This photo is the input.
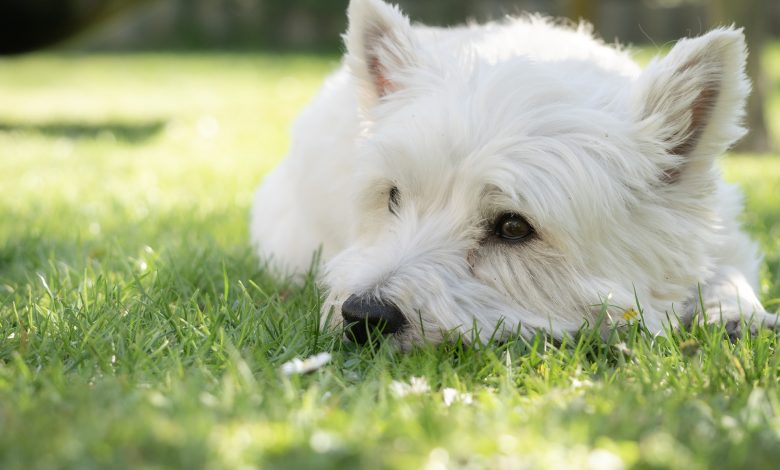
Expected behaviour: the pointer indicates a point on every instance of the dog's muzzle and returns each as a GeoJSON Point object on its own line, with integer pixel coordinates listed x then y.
{"type": "Point", "coordinates": [364, 315]}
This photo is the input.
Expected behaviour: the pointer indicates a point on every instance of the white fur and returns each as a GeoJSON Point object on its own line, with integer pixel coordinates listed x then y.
{"type": "Point", "coordinates": [526, 117]}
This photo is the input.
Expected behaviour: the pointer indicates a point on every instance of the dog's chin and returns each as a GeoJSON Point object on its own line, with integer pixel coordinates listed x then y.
{"type": "Point", "coordinates": [401, 341]}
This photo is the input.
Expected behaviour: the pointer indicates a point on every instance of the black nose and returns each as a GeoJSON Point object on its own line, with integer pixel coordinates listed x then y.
{"type": "Point", "coordinates": [362, 315]}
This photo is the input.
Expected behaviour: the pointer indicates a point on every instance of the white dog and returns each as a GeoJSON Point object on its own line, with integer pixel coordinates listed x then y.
{"type": "Point", "coordinates": [512, 177]}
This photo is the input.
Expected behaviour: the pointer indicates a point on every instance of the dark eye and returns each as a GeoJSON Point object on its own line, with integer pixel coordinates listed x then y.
{"type": "Point", "coordinates": [393, 200]}
{"type": "Point", "coordinates": [513, 227]}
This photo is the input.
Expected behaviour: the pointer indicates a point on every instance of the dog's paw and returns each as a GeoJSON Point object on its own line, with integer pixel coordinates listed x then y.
{"type": "Point", "coordinates": [740, 327]}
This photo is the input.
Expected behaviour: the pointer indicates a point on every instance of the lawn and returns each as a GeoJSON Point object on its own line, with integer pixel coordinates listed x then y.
{"type": "Point", "coordinates": [137, 330]}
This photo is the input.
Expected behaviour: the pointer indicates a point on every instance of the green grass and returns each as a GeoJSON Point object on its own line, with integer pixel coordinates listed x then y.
{"type": "Point", "coordinates": [137, 331]}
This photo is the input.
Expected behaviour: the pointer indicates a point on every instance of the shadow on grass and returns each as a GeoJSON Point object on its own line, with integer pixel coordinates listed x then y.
{"type": "Point", "coordinates": [191, 253]}
{"type": "Point", "coordinates": [131, 132]}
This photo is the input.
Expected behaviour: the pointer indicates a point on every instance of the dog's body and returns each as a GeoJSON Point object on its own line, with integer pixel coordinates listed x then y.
{"type": "Point", "coordinates": [514, 177]}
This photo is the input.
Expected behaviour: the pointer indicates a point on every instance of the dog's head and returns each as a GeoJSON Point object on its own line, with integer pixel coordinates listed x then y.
{"type": "Point", "coordinates": [501, 191]}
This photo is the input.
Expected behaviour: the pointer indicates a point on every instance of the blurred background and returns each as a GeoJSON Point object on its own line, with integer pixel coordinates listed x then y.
{"type": "Point", "coordinates": [316, 25]}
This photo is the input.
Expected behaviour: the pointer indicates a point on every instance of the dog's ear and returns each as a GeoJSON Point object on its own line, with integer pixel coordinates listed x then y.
{"type": "Point", "coordinates": [380, 46]}
{"type": "Point", "coordinates": [691, 102]}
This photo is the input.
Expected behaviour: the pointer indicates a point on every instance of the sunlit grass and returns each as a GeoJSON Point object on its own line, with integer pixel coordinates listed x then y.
{"type": "Point", "coordinates": [136, 329]}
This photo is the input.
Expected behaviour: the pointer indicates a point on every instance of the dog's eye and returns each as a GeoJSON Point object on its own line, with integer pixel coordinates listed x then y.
{"type": "Point", "coordinates": [393, 200]}
{"type": "Point", "coordinates": [513, 227]}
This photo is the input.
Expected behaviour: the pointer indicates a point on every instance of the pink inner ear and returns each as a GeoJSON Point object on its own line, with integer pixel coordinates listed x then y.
{"type": "Point", "coordinates": [381, 83]}
{"type": "Point", "coordinates": [701, 110]}
{"type": "Point", "coordinates": [700, 113]}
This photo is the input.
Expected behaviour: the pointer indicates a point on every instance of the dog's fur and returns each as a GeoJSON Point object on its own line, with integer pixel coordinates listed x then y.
{"type": "Point", "coordinates": [613, 166]}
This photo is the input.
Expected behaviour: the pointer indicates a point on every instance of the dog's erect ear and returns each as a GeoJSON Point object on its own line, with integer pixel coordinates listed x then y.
{"type": "Point", "coordinates": [692, 101]}
{"type": "Point", "coordinates": [379, 44]}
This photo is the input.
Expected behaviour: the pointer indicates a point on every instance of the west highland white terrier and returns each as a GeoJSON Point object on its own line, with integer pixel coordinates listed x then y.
{"type": "Point", "coordinates": [514, 177]}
